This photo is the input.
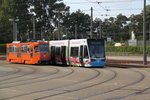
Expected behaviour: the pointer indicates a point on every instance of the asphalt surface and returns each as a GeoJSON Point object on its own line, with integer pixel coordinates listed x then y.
{"type": "Point", "coordinates": [131, 58]}
{"type": "Point", "coordinates": [45, 82]}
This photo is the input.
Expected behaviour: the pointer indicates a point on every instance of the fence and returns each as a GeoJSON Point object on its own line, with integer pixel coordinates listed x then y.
{"type": "Point", "coordinates": [126, 51]}
{"type": "Point", "coordinates": [138, 43]}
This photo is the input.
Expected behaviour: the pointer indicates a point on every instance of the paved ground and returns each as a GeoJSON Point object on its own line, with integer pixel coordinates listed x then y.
{"type": "Point", "coordinates": [131, 58]}
{"type": "Point", "coordinates": [34, 82]}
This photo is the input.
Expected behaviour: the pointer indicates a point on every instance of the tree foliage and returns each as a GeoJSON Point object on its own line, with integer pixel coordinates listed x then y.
{"type": "Point", "coordinates": [81, 20]}
{"type": "Point", "coordinates": [53, 20]}
{"type": "Point", "coordinates": [5, 26]}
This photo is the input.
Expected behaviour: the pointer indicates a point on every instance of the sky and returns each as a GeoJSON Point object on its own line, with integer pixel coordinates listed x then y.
{"type": "Point", "coordinates": [107, 8]}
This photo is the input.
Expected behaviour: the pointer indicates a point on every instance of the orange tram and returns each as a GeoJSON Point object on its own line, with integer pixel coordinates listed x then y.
{"type": "Point", "coordinates": [28, 53]}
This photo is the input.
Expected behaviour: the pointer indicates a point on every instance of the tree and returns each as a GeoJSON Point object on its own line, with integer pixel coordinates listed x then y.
{"type": "Point", "coordinates": [121, 22]}
{"type": "Point", "coordinates": [5, 26]}
{"type": "Point", "coordinates": [21, 12]}
{"type": "Point", "coordinates": [48, 13]}
{"type": "Point", "coordinates": [24, 10]}
{"type": "Point", "coordinates": [117, 28]}
{"type": "Point", "coordinates": [97, 27]}
{"type": "Point", "coordinates": [148, 20]}
{"type": "Point", "coordinates": [80, 19]}
{"type": "Point", "coordinates": [148, 13]}
{"type": "Point", "coordinates": [136, 25]}
{"type": "Point", "coordinates": [12, 9]}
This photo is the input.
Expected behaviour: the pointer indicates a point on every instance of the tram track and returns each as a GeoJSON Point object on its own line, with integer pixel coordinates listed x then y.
{"type": "Point", "coordinates": [111, 78]}
{"type": "Point", "coordinates": [41, 80]}
{"type": "Point", "coordinates": [53, 83]}
{"type": "Point", "coordinates": [21, 73]}
{"type": "Point", "coordinates": [66, 85]}
{"type": "Point", "coordinates": [69, 91]}
{"type": "Point", "coordinates": [16, 70]}
{"type": "Point", "coordinates": [136, 93]}
{"type": "Point", "coordinates": [118, 88]}
{"type": "Point", "coordinates": [140, 92]}
{"type": "Point", "coordinates": [31, 79]}
{"type": "Point", "coordinates": [89, 86]}
{"type": "Point", "coordinates": [57, 77]}
{"type": "Point", "coordinates": [126, 64]}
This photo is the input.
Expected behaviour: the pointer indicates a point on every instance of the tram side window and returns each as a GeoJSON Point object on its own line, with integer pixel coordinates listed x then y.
{"type": "Point", "coordinates": [22, 48]}
{"type": "Point", "coordinates": [15, 48]}
{"type": "Point", "coordinates": [85, 52]}
{"type": "Point", "coordinates": [74, 51]}
{"type": "Point", "coordinates": [25, 48]}
{"type": "Point", "coordinates": [57, 51]}
{"type": "Point", "coordinates": [12, 48]}
{"type": "Point", "coordinates": [28, 49]}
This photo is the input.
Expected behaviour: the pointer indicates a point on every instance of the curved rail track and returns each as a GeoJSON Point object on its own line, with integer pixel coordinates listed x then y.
{"type": "Point", "coordinates": [32, 82]}
{"type": "Point", "coordinates": [34, 77]}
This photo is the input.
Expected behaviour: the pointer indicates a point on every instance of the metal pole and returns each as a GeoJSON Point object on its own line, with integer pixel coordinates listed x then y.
{"type": "Point", "coordinates": [149, 31]}
{"type": "Point", "coordinates": [144, 35]}
{"type": "Point", "coordinates": [60, 32]}
{"type": "Point", "coordinates": [59, 25]}
{"type": "Point", "coordinates": [76, 31]}
{"type": "Point", "coordinates": [91, 28]}
{"type": "Point", "coordinates": [100, 30]}
{"type": "Point", "coordinates": [66, 33]}
{"type": "Point", "coordinates": [15, 30]}
{"type": "Point", "coordinates": [34, 29]}
{"type": "Point", "coordinates": [42, 37]}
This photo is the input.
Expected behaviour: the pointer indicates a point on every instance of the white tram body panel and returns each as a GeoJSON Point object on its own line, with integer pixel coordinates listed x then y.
{"type": "Point", "coordinates": [78, 52]}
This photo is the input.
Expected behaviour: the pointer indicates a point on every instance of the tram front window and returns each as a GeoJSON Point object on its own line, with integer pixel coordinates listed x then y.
{"type": "Point", "coordinates": [96, 48]}
{"type": "Point", "coordinates": [36, 49]}
{"type": "Point", "coordinates": [44, 48]}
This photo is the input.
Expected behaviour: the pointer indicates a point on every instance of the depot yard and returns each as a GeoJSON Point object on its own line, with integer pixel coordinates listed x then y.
{"type": "Point", "coordinates": [47, 82]}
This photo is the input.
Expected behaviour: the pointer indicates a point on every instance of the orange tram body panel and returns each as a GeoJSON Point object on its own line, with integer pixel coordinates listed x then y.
{"type": "Point", "coordinates": [28, 53]}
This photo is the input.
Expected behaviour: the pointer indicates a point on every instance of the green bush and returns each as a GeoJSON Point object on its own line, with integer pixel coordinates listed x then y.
{"type": "Point", "coordinates": [2, 48]}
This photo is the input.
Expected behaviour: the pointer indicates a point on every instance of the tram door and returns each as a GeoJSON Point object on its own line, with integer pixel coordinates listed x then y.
{"type": "Point", "coordinates": [83, 54]}
{"type": "Point", "coordinates": [63, 55]}
{"type": "Point", "coordinates": [53, 59]}
{"type": "Point", "coordinates": [18, 52]}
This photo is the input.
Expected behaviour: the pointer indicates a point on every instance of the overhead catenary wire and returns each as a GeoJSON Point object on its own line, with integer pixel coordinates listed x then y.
{"type": "Point", "coordinates": [112, 9]}
{"type": "Point", "coordinates": [99, 3]}
{"type": "Point", "coordinates": [113, 1]}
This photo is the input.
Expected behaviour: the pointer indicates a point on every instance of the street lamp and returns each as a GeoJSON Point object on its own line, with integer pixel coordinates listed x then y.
{"type": "Point", "coordinates": [14, 28]}
{"type": "Point", "coordinates": [59, 21]}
